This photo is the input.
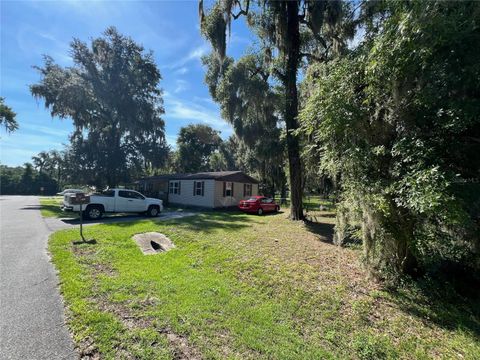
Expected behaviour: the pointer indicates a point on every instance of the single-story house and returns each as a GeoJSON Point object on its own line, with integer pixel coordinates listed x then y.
{"type": "Point", "coordinates": [206, 189]}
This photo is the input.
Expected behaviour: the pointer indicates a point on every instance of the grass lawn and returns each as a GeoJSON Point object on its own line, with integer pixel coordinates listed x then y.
{"type": "Point", "coordinates": [50, 207]}
{"type": "Point", "coordinates": [247, 287]}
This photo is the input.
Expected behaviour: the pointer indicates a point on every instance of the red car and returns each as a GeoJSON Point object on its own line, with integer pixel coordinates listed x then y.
{"type": "Point", "coordinates": [259, 205]}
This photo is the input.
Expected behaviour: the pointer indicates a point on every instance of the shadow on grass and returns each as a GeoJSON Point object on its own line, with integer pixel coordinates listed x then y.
{"type": "Point", "coordinates": [323, 230]}
{"type": "Point", "coordinates": [54, 211]}
{"type": "Point", "coordinates": [439, 303]}
{"type": "Point", "coordinates": [204, 222]}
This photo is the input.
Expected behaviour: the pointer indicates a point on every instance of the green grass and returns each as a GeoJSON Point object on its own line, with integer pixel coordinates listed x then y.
{"type": "Point", "coordinates": [50, 207]}
{"type": "Point", "coordinates": [247, 287]}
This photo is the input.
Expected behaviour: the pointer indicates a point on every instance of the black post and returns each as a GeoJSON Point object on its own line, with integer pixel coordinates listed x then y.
{"type": "Point", "coordinates": [81, 223]}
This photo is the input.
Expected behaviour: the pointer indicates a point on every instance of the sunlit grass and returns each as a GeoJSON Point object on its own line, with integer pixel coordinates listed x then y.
{"type": "Point", "coordinates": [244, 286]}
{"type": "Point", "coordinates": [50, 207]}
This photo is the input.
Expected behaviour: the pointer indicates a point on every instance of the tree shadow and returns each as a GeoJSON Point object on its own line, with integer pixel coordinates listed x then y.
{"type": "Point", "coordinates": [104, 220]}
{"type": "Point", "coordinates": [204, 222]}
{"type": "Point", "coordinates": [35, 207]}
{"type": "Point", "coordinates": [53, 209]}
{"type": "Point", "coordinates": [324, 231]}
{"type": "Point", "coordinates": [434, 302]}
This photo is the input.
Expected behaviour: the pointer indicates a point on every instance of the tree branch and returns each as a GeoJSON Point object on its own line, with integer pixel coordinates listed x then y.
{"type": "Point", "coordinates": [280, 75]}
{"type": "Point", "coordinates": [241, 12]}
{"type": "Point", "coordinates": [313, 57]}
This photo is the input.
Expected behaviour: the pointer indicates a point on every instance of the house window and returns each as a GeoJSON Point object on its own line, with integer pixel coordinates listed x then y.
{"type": "Point", "coordinates": [227, 189]}
{"type": "Point", "coordinates": [247, 189]}
{"type": "Point", "coordinates": [198, 188]}
{"type": "Point", "coordinates": [175, 187]}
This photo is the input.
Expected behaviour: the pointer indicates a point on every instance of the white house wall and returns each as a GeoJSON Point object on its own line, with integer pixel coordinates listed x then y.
{"type": "Point", "coordinates": [186, 194]}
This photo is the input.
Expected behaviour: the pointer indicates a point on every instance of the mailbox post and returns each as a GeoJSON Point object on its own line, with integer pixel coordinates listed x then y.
{"type": "Point", "coordinates": [80, 199]}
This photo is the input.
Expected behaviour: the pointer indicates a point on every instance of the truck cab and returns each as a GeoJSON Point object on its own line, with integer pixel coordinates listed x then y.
{"type": "Point", "coordinates": [115, 201]}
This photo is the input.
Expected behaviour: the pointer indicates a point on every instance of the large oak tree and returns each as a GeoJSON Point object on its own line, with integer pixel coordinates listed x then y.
{"type": "Point", "coordinates": [111, 93]}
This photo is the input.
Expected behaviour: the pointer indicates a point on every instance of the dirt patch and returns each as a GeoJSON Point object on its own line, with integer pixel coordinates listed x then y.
{"type": "Point", "coordinates": [151, 243]}
{"type": "Point", "coordinates": [182, 350]}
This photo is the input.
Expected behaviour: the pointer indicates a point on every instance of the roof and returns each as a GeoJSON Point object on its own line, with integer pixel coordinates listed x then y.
{"type": "Point", "coordinates": [234, 176]}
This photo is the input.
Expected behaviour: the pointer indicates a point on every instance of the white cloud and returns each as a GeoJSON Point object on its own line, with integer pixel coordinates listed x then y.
{"type": "Point", "coordinates": [234, 38]}
{"type": "Point", "coordinates": [181, 85]}
{"type": "Point", "coordinates": [194, 55]}
{"type": "Point", "coordinates": [193, 113]}
{"type": "Point", "coordinates": [40, 129]}
{"type": "Point", "coordinates": [181, 71]}
{"type": "Point", "coordinates": [33, 42]}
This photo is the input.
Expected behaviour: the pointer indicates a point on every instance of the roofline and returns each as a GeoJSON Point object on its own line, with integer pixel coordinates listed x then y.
{"type": "Point", "coordinates": [218, 176]}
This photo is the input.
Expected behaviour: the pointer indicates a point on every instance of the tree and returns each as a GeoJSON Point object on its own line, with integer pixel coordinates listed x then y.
{"type": "Point", "coordinates": [400, 130]}
{"type": "Point", "coordinates": [40, 160]}
{"type": "Point", "coordinates": [195, 144]}
{"type": "Point", "coordinates": [10, 179]}
{"type": "Point", "coordinates": [7, 117]}
{"type": "Point", "coordinates": [289, 31]}
{"type": "Point", "coordinates": [26, 185]}
{"type": "Point", "coordinates": [111, 94]}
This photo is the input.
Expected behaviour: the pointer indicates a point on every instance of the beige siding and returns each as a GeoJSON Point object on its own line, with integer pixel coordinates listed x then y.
{"type": "Point", "coordinates": [221, 201]}
{"type": "Point", "coordinates": [186, 196]}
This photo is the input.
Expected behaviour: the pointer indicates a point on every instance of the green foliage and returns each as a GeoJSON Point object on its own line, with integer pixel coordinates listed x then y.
{"type": "Point", "coordinates": [195, 145]}
{"type": "Point", "coordinates": [111, 94]}
{"type": "Point", "coordinates": [25, 181]}
{"type": "Point", "coordinates": [250, 104]}
{"type": "Point", "coordinates": [397, 122]}
{"type": "Point", "coordinates": [7, 117]}
{"type": "Point", "coordinates": [260, 89]}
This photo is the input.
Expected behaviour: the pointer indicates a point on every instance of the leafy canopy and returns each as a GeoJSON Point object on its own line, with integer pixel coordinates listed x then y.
{"type": "Point", "coordinates": [7, 117]}
{"type": "Point", "coordinates": [397, 122]}
{"type": "Point", "coordinates": [111, 94]}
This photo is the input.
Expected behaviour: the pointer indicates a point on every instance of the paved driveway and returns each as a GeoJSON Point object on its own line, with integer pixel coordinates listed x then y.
{"type": "Point", "coordinates": [32, 324]}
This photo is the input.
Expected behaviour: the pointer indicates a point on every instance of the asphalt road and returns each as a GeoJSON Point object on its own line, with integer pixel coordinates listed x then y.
{"type": "Point", "coordinates": [32, 324]}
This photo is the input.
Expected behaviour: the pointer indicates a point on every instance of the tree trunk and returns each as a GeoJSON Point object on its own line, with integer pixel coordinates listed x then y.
{"type": "Point", "coordinates": [292, 48]}
{"type": "Point", "coordinates": [112, 162]}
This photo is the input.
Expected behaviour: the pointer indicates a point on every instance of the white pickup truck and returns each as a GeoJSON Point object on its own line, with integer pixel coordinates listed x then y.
{"type": "Point", "coordinates": [115, 201]}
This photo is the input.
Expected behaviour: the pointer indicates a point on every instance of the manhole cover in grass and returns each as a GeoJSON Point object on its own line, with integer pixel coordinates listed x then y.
{"type": "Point", "coordinates": [153, 242]}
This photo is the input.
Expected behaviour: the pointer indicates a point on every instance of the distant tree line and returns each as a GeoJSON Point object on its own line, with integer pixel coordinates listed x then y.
{"type": "Point", "coordinates": [25, 180]}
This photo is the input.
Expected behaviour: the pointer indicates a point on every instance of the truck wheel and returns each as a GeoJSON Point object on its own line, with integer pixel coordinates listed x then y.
{"type": "Point", "coordinates": [153, 211]}
{"type": "Point", "coordinates": [94, 212]}
{"type": "Point", "coordinates": [260, 211]}
{"type": "Point", "coordinates": [277, 208]}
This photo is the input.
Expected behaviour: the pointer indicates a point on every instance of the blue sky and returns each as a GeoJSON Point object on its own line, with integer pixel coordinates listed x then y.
{"type": "Point", "coordinates": [169, 28]}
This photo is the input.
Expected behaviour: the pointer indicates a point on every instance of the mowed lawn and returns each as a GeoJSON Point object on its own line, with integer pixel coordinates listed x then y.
{"type": "Point", "coordinates": [50, 207]}
{"type": "Point", "coordinates": [248, 287]}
